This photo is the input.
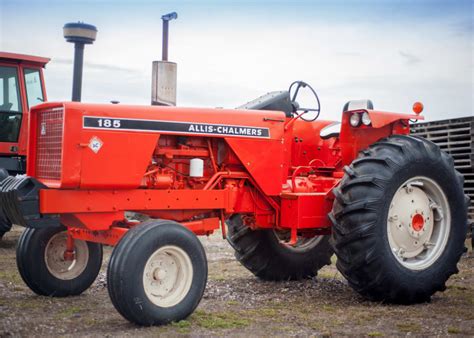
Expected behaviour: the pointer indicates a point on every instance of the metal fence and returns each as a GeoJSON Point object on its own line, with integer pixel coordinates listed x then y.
{"type": "Point", "coordinates": [456, 137]}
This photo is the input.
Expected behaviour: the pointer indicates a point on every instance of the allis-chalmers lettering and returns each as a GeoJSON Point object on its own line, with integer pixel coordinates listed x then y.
{"type": "Point", "coordinates": [174, 127]}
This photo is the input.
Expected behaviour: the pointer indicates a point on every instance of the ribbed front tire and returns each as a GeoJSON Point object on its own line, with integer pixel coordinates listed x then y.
{"type": "Point", "coordinates": [42, 266]}
{"type": "Point", "coordinates": [157, 273]}
{"type": "Point", "coordinates": [400, 218]}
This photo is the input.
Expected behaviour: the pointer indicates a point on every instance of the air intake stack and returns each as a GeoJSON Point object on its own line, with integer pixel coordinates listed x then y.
{"type": "Point", "coordinates": [80, 34]}
{"type": "Point", "coordinates": [164, 73]}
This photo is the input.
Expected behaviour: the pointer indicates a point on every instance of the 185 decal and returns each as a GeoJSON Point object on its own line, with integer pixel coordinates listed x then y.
{"type": "Point", "coordinates": [93, 122]}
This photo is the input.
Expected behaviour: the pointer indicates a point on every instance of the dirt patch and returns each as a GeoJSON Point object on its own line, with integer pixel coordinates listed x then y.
{"type": "Point", "coordinates": [236, 303]}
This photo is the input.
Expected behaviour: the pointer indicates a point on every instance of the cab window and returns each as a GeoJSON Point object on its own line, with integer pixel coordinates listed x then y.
{"type": "Point", "coordinates": [10, 104]}
{"type": "Point", "coordinates": [9, 90]}
{"type": "Point", "coordinates": [34, 90]}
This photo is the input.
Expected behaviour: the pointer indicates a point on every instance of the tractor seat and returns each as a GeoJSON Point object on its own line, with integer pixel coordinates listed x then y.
{"type": "Point", "coordinates": [272, 101]}
{"type": "Point", "coordinates": [331, 130]}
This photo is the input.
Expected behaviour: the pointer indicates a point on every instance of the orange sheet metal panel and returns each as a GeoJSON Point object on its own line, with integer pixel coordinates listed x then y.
{"type": "Point", "coordinates": [110, 145]}
{"type": "Point", "coordinates": [53, 201]}
{"type": "Point", "coordinates": [305, 211]}
{"type": "Point", "coordinates": [354, 139]}
{"type": "Point", "coordinates": [264, 160]}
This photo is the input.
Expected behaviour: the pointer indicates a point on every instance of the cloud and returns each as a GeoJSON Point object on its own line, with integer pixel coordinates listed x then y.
{"type": "Point", "coordinates": [408, 58]}
{"type": "Point", "coordinates": [96, 66]}
{"type": "Point", "coordinates": [463, 27]}
{"type": "Point", "coordinates": [394, 57]}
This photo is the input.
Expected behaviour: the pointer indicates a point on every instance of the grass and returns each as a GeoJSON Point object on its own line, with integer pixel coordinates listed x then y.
{"type": "Point", "coordinates": [11, 277]}
{"type": "Point", "coordinates": [69, 311]}
{"type": "Point", "coordinates": [463, 293]}
{"type": "Point", "coordinates": [183, 326]}
{"type": "Point", "coordinates": [408, 327]}
{"type": "Point", "coordinates": [329, 308]}
{"type": "Point", "coordinates": [454, 330]}
{"type": "Point", "coordinates": [220, 320]}
{"type": "Point", "coordinates": [264, 312]}
{"type": "Point", "coordinates": [375, 334]}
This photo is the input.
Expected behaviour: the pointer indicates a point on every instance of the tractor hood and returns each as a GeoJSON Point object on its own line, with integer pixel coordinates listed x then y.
{"type": "Point", "coordinates": [173, 120]}
{"type": "Point", "coordinates": [84, 145]}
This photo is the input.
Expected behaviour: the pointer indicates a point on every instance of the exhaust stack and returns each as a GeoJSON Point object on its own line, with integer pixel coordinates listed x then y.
{"type": "Point", "coordinates": [164, 73]}
{"type": "Point", "coordinates": [80, 34]}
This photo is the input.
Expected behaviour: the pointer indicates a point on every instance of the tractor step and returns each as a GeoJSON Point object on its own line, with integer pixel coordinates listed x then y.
{"type": "Point", "coordinates": [305, 210]}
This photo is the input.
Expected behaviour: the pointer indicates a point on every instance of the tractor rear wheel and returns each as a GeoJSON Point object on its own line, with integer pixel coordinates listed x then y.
{"type": "Point", "coordinates": [40, 258]}
{"type": "Point", "coordinates": [262, 252]}
{"type": "Point", "coordinates": [157, 273]}
{"type": "Point", "coordinates": [399, 220]}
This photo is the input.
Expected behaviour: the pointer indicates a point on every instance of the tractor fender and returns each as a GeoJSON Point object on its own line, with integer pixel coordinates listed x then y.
{"type": "Point", "coordinates": [382, 118]}
{"type": "Point", "coordinates": [383, 124]}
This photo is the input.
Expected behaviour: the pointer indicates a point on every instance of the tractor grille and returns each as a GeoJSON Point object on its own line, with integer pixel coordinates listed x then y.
{"type": "Point", "coordinates": [456, 137]}
{"type": "Point", "coordinates": [49, 144]}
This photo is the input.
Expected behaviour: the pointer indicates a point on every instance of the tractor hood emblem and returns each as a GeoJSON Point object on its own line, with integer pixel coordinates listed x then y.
{"type": "Point", "coordinates": [95, 144]}
{"type": "Point", "coordinates": [43, 128]}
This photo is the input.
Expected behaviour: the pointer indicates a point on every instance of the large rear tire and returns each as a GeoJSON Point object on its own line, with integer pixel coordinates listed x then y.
{"type": "Point", "coordinates": [400, 220]}
{"type": "Point", "coordinates": [41, 263]}
{"type": "Point", "coordinates": [157, 273]}
{"type": "Point", "coordinates": [262, 252]}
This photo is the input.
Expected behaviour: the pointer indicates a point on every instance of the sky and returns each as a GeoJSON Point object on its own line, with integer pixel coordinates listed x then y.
{"type": "Point", "coordinates": [229, 52]}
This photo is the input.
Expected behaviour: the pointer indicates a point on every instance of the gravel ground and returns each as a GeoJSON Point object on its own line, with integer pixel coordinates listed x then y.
{"type": "Point", "coordinates": [236, 303]}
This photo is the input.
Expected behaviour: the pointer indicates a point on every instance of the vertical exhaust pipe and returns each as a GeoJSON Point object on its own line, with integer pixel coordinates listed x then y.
{"type": "Point", "coordinates": [164, 47]}
{"type": "Point", "coordinates": [80, 34]}
{"type": "Point", "coordinates": [164, 73]}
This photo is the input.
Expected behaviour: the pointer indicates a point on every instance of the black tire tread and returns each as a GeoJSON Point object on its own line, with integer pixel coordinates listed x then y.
{"type": "Point", "coordinates": [355, 243]}
{"type": "Point", "coordinates": [118, 271]}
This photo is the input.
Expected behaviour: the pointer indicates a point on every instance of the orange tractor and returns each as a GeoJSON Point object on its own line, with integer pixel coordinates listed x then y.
{"type": "Point", "coordinates": [287, 191]}
{"type": "Point", "coordinates": [21, 87]}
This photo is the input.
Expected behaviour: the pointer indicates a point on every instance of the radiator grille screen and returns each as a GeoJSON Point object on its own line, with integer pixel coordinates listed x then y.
{"type": "Point", "coordinates": [49, 144]}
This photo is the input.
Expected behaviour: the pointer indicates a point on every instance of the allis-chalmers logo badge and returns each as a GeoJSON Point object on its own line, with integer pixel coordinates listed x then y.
{"type": "Point", "coordinates": [95, 144]}
{"type": "Point", "coordinates": [43, 128]}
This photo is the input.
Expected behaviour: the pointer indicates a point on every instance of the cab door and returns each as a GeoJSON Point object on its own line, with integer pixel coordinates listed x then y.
{"type": "Point", "coordinates": [11, 108]}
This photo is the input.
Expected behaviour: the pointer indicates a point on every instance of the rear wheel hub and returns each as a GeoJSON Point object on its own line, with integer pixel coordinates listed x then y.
{"type": "Point", "coordinates": [418, 223]}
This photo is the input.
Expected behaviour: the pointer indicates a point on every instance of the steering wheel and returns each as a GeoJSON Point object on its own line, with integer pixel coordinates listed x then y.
{"type": "Point", "coordinates": [297, 108]}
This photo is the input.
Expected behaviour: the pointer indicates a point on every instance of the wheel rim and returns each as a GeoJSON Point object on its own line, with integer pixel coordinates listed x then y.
{"type": "Point", "coordinates": [56, 263]}
{"type": "Point", "coordinates": [167, 276]}
{"type": "Point", "coordinates": [418, 224]}
{"type": "Point", "coordinates": [303, 244]}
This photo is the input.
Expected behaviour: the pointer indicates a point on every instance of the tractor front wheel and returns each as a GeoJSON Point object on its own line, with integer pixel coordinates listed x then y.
{"type": "Point", "coordinates": [157, 273]}
{"type": "Point", "coordinates": [264, 254]}
{"type": "Point", "coordinates": [399, 220]}
{"type": "Point", "coordinates": [45, 268]}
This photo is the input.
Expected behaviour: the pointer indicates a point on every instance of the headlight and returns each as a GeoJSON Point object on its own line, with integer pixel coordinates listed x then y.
{"type": "Point", "coordinates": [355, 120]}
{"type": "Point", "coordinates": [366, 119]}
